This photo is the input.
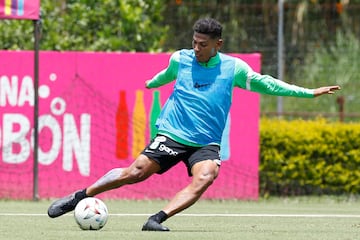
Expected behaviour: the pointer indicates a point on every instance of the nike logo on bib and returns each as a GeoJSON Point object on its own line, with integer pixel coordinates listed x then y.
{"type": "Point", "coordinates": [197, 85]}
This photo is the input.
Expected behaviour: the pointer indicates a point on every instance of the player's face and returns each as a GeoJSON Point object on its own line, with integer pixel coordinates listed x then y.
{"type": "Point", "coordinates": [205, 47]}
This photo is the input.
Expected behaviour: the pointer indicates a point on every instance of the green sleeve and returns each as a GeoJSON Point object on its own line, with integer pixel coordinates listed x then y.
{"type": "Point", "coordinates": [246, 78]}
{"type": "Point", "coordinates": [167, 75]}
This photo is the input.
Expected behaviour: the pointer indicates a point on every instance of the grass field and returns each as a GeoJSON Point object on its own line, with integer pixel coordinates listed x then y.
{"type": "Point", "coordinates": [291, 219]}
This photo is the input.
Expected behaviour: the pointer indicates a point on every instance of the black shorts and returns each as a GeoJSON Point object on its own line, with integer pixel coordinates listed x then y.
{"type": "Point", "coordinates": [167, 153]}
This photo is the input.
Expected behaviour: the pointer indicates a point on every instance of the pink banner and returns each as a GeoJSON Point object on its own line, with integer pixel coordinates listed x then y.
{"type": "Point", "coordinates": [95, 114]}
{"type": "Point", "coordinates": [20, 9]}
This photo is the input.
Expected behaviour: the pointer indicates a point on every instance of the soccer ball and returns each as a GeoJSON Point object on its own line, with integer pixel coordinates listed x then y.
{"type": "Point", "coordinates": [91, 214]}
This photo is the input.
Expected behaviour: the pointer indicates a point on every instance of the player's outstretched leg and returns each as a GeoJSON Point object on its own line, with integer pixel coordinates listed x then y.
{"type": "Point", "coordinates": [66, 204]}
{"type": "Point", "coordinates": [154, 223]}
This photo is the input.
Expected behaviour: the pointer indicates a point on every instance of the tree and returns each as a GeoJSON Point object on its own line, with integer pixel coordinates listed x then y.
{"type": "Point", "coordinates": [122, 25]}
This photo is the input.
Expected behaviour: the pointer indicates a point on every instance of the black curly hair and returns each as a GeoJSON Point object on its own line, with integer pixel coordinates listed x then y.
{"type": "Point", "coordinates": [208, 26]}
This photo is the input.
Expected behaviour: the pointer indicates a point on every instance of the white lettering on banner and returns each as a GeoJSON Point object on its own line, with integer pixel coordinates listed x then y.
{"type": "Point", "coordinates": [72, 143]}
{"type": "Point", "coordinates": [48, 121]}
{"type": "Point", "coordinates": [15, 140]}
{"type": "Point", "coordinates": [14, 134]}
{"type": "Point", "coordinates": [8, 91]}
{"type": "Point", "coordinates": [26, 93]}
{"type": "Point", "coordinates": [16, 147]}
{"type": "Point", "coordinates": [9, 88]}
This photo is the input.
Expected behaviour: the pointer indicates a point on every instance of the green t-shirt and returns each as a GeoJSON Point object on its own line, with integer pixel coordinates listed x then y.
{"type": "Point", "coordinates": [244, 77]}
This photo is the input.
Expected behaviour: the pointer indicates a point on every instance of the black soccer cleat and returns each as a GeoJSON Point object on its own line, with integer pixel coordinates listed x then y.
{"type": "Point", "coordinates": [63, 205]}
{"type": "Point", "coordinates": [152, 225]}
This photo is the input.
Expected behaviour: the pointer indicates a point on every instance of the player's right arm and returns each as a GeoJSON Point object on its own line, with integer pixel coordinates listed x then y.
{"type": "Point", "coordinates": [167, 75]}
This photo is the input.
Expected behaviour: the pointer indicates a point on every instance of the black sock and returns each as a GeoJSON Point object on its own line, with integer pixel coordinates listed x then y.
{"type": "Point", "coordinates": [159, 217]}
{"type": "Point", "coordinates": [81, 194]}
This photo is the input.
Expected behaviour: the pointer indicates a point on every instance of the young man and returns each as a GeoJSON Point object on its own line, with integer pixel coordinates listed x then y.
{"type": "Point", "coordinates": [191, 123]}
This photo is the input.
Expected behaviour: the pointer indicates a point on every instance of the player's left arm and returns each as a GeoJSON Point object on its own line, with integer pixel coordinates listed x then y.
{"type": "Point", "coordinates": [246, 78]}
{"type": "Point", "coordinates": [269, 85]}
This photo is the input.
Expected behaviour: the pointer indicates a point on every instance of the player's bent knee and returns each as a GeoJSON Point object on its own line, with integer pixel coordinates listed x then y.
{"type": "Point", "coordinates": [140, 169]}
{"type": "Point", "coordinates": [208, 179]}
{"type": "Point", "coordinates": [203, 181]}
{"type": "Point", "coordinates": [136, 175]}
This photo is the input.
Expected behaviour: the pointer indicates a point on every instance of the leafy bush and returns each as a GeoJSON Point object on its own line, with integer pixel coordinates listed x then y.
{"type": "Point", "coordinates": [122, 25]}
{"type": "Point", "coordinates": [309, 157]}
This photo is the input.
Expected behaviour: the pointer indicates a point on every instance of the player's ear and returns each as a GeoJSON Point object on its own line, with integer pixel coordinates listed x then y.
{"type": "Point", "coordinates": [219, 44]}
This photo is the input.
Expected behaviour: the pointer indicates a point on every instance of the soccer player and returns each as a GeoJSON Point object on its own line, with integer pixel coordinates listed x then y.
{"type": "Point", "coordinates": [191, 122]}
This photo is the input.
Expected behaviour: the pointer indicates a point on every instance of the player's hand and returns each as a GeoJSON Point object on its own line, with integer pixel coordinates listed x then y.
{"type": "Point", "coordinates": [326, 90]}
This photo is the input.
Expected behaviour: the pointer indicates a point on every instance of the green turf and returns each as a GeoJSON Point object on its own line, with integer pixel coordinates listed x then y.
{"type": "Point", "coordinates": [336, 218]}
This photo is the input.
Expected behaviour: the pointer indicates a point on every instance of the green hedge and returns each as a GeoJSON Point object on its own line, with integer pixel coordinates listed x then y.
{"type": "Point", "coordinates": [309, 157]}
